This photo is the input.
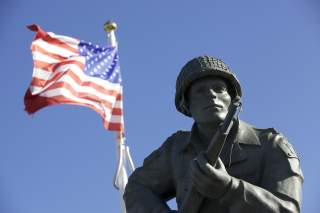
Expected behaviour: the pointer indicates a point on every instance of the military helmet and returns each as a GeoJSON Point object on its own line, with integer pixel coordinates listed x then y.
{"type": "Point", "coordinates": [201, 67]}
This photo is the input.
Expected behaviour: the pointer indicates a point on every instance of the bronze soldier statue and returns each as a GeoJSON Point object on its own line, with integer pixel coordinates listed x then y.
{"type": "Point", "coordinates": [257, 171]}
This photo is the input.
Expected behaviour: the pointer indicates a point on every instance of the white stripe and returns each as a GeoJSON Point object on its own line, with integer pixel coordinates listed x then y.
{"type": "Point", "coordinates": [66, 93]}
{"type": "Point", "coordinates": [42, 74]}
{"type": "Point", "coordinates": [53, 48]}
{"type": "Point", "coordinates": [118, 104]}
{"type": "Point", "coordinates": [35, 90]}
{"type": "Point", "coordinates": [86, 89]}
{"type": "Point", "coordinates": [116, 119]}
{"type": "Point", "coordinates": [79, 88]}
{"type": "Point", "coordinates": [38, 73]}
{"type": "Point", "coordinates": [46, 75]}
{"type": "Point", "coordinates": [82, 89]}
{"type": "Point", "coordinates": [38, 56]}
{"type": "Point", "coordinates": [72, 42]}
{"type": "Point", "coordinates": [106, 84]}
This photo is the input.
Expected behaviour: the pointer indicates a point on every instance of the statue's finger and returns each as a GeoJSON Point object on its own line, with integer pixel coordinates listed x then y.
{"type": "Point", "coordinates": [220, 165]}
{"type": "Point", "coordinates": [204, 164]}
{"type": "Point", "coordinates": [198, 176]}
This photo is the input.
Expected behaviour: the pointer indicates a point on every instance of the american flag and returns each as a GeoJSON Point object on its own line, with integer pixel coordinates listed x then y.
{"type": "Point", "coordinates": [69, 71]}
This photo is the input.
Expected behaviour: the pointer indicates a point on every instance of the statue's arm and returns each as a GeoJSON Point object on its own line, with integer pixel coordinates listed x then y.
{"type": "Point", "coordinates": [150, 186]}
{"type": "Point", "coordinates": [280, 186]}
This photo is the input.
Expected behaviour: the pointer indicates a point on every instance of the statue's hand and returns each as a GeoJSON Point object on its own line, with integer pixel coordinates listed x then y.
{"type": "Point", "coordinates": [210, 181]}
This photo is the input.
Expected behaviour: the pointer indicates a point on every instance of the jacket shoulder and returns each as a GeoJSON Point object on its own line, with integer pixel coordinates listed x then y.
{"type": "Point", "coordinates": [276, 140]}
{"type": "Point", "coordinates": [177, 140]}
{"type": "Point", "coordinates": [172, 143]}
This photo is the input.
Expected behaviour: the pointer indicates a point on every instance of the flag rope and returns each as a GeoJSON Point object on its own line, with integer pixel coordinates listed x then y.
{"type": "Point", "coordinates": [124, 161]}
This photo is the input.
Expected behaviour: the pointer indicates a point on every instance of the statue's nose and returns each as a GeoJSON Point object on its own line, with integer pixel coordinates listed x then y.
{"type": "Point", "coordinates": [212, 93]}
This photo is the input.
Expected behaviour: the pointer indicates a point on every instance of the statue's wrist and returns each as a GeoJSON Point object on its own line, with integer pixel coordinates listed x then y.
{"type": "Point", "coordinates": [226, 189]}
{"type": "Point", "coordinates": [230, 192]}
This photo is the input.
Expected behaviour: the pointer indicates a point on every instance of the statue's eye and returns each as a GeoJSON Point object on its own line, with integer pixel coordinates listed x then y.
{"type": "Point", "coordinates": [220, 89]}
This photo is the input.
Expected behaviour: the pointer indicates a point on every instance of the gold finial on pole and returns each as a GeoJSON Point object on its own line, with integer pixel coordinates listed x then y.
{"type": "Point", "coordinates": [109, 27]}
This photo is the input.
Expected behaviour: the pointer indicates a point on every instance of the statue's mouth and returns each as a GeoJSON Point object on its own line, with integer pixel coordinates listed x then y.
{"type": "Point", "coordinates": [214, 106]}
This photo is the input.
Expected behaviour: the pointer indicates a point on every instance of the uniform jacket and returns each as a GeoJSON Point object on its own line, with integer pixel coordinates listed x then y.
{"type": "Point", "coordinates": [265, 170]}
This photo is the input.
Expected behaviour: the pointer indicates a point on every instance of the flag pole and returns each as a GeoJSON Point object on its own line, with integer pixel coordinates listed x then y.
{"type": "Point", "coordinates": [110, 28]}
{"type": "Point", "coordinates": [124, 158]}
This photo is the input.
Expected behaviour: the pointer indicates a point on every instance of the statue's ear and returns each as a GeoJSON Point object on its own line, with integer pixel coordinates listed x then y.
{"type": "Point", "coordinates": [184, 104]}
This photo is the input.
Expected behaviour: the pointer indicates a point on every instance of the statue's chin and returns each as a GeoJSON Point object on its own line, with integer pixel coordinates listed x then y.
{"type": "Point", "coordinates": [213, 120]}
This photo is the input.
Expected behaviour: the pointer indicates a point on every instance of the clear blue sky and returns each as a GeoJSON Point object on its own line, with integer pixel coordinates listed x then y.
{"type": "Point", "coordinates": [62, 160]}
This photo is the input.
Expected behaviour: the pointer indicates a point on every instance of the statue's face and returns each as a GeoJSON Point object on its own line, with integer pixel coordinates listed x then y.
{"type": "Point", "coordinates": [208, 100]}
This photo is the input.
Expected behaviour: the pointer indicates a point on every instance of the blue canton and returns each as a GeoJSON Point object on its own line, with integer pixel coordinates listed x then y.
{"type": "Point", "coordinates": [101, 62]}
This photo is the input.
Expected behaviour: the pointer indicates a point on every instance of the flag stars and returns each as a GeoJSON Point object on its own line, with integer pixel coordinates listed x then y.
{"type": "Point", "coordinates": [101, 62]}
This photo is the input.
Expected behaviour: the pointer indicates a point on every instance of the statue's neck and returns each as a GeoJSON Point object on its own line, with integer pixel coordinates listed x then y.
{"type": "Point", "coordinates": [206, 131]}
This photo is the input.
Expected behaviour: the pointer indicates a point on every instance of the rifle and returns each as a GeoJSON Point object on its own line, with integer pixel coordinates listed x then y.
{"type": "Point", "coordinates": [194, 199]}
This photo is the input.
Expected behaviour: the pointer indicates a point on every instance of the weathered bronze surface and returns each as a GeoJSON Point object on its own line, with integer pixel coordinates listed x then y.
{"type": "Point", "coordinates": [258, 170]}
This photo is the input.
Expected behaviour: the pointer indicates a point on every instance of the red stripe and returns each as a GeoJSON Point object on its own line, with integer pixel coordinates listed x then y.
{"type": "Point", "coordinates": [52, 67]}
{"type": "Point", "coordinates": [37, 48]}
{"type": "Point", "coordinates": [33, 103]}
{"type": "Point", "coordinates": [114, 126]}
{"type": "Point", "coordinates": [41, 34]}
{"type": "Point", "coordinates": [44, 65]}
{"type": "Point", "coordinates": [82, 95]}
{"type": "Point", "coordinates": [41, 83]}
{"type": "Point", "coordinates": [59, 43]}
{"type": "Point", "coordinates": [116, 111]}
{"type": "Point", "coordinates": [119, 97]}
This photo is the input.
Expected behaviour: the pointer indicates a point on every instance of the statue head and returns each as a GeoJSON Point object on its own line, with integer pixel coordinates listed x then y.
{"type": "Point", "coordinates": [200, 68]}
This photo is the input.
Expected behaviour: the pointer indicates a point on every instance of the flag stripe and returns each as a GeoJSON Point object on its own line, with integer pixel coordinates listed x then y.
{"type": "Point", "coordinates": [39, 102]}
{"type": "Point", "coordinates": [82, 93]}
{"type": "Point", "coordinates": [71, 92]}
{"type": "Point", "coordinates": [39, 56]}
{"type": "Point", "coordinates": [52, 54]}
{"type": "Point", "coordinates": [52, 48]}
{"type": "Point", "coordinates": [60, 43]}
{"type": "Point", "coordinates": [53, 67]}
{"type": "Point", "coordinates": [73, 42]}
{"type": "Point", "coordinates": [79, 78]}
{"type": "Point", "coordinates": [58, 99]}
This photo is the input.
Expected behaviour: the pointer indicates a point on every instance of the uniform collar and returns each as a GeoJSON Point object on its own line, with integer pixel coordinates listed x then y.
{"type": "Point", "coordinates": [245, 135]}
